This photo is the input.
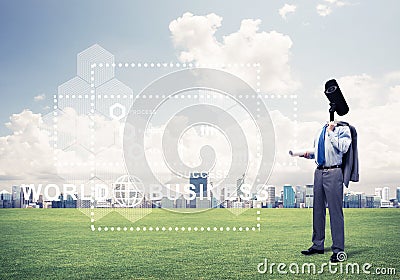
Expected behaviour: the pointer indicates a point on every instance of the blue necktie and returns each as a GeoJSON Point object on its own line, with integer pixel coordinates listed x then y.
{"type": "Point", "coordinates": [321, 148]}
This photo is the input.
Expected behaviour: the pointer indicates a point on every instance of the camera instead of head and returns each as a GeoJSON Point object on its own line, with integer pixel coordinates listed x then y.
{"type": "Point", "coordinates": [337, 102]}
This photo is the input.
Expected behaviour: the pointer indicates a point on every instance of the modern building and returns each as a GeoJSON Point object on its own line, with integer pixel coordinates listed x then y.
{"type": "Point", "coordinates": [83, 202]}
{"type": "Point", "coordinates": [203, 203]}
{"type": "Point", "coordinates": [372, 201]}
{"type": "Point", "coordinates": [262, 195]}
{"type": "Point", "coordinates": [398, 194]}
{"type": "Point", "coordinates": [237, 204]}
{"type": "Point", "coordinates": [40, 201]}
{"type": "Point", "coordinates": [16, 197]}
{"type": "Point", "coordinates": [239, 192]}
{"type": "Point", "coordinates": [214, 202]}
{"type": "Point", "coordinates": [309, 203]}
{"type": "Point", "coordinates": [394, 202]}
{"type": "Point", "coordinates": [354, 200]}
{"type": "Point", "coordinates": [167, 203]}
{"type": "Point", "coordinates": [386, 193]}
{"type": "Point", "coordinates": [385, 204]}
{"type": "Point", "coordinates": [68, 202]}
{"type": "Point", "coordinates": [26, 200]}
{"type": "Point", "coordinates": [369, 201]}
{"type": "Point", "coordinates": [180, 202]}
{"type": "Point", "coordinates": [199, 181]}
{"type": "Point", "coordinates": [5, 199]}
{"type": "Point", "coordinates": [288, 197]}
{"type": "Point", "coordinates": [271, 197]}
{"type": "Point", "coordinates": [300, 196]}
{"type": "Point", "coordinates": [377, 201]}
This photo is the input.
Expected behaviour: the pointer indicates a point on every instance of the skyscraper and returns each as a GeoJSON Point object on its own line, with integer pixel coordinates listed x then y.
{"type": "Point", "coordinates": [309, 196]}
{"type": "Point", "coordinates": [288, 197]}
{"type": "Point", "coordinates": [25, 201]}
{"type": "Point", "coordinates": [373, 201]}
{"type": "Point", "coordinates": [300, 196]}
{"type": "Point", "coordinates": [355, 200]}
{"type": "Point", "coordinates": [5, 199]}
{"type": "Point", "coordinates": [271, 197]}
{"type": "Point", "coordinates": [239, 183]}
{"type": "Point", "coordinates": [167, 203]}
{"type": "Point", "coordinates": [199, 181]}
{"type": "Point", "coordinates": [180, 202]}
{"type": "Point", "coordinates": [16, 197]}
{"type": "Point", "coordinates": [398, 194]}
{"type": "Point", "coordinates": [385, 193]}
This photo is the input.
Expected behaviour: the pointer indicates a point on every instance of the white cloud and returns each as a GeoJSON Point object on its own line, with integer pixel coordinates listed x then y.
{"type": "Point", "coordinates": [286, 9]}
{"type": "Point", "coordinates": [337, 3]}
{"type": "Point", "coordinates": [326, 9]}
{"type": "Point", "coordinates": [363, 90]}
{"type": "Point", "coordinates": [39, 97]}
{"type": "Point", "coordinates": [26, 152]}
{"type": "Point", "coordinates": [195, 37]}
{"type": "Point", "coordinates": [394, 94]}
{"type": "Point", "coordinates": [392, 76]}
{"type": "Point", "coordinates": [323, 10]}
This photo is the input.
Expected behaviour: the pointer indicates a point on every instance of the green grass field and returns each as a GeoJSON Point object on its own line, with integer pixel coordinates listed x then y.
{"type": "Point", "coordinates": [59, 244]}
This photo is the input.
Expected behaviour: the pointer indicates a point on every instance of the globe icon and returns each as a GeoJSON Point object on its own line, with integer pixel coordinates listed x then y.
{"type": "Point", "coordinates": [127, 191]}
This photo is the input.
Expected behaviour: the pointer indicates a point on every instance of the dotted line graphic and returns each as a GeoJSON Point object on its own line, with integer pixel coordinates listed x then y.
{"type": "Point", "coordinates": [55, 134]}
{"type": "Point", "coordinates": [99, 96]}
{"type": "Point", "coordinates": [258, 90]}
{"type": "Point", "coordinates": [92, 140]}
{"type": "Point", "coordinates": [177, 96]}
{"type": "Point", "coordinates": [171, 65]}
{"type": "Point", "coordinates": [295, 133]}
{"type": "Point", "coordinates": [182, 229]}
{"type": "Point", "coordinates": [93, 164]}
{"type": "Point", "coordinates": [176, 229]}
{"type": "Point", "coordinates": [97, 164]}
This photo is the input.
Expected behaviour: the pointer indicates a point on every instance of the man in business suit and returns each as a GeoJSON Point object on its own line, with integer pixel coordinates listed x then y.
{"type": "Point", "coordinates": [331, 143]}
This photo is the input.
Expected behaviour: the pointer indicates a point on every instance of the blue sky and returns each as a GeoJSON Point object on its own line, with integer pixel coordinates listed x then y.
{"type": "Point", "coordinates": [40, 41]}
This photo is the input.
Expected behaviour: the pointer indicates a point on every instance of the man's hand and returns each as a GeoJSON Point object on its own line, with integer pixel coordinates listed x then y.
{"type": "Point", "coordinates": [307, 155]}
{"type": "Point", "coordinates": [331, 126]}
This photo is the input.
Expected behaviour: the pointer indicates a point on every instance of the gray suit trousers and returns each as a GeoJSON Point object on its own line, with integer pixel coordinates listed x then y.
{"type": "Point", "coordinates": [328, 189]}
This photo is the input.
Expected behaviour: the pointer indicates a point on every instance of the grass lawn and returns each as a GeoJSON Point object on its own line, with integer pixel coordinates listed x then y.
{"type": "Point", "coordinates": [59, 244]}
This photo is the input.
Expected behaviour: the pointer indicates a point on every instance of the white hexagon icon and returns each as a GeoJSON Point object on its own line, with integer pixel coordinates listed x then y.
{"type": "Point", "coordinates": [103, 59]}
{"type": "Point", "coordinates": [111, 92]}
{"type": "Point", "coordinates": [117, 111]}
{"type": "Point", "coordinates": [75, 93]}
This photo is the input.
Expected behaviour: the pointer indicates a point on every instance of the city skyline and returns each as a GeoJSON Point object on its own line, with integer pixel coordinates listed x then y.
{"type": "Point", "coordinates": [290, 197]}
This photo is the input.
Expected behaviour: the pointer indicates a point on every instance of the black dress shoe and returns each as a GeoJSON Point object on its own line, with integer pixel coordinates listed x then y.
{"type": "Point", "coordinates": [334, 258]}
{"type": "Point", "coordinates": [311, 251]}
